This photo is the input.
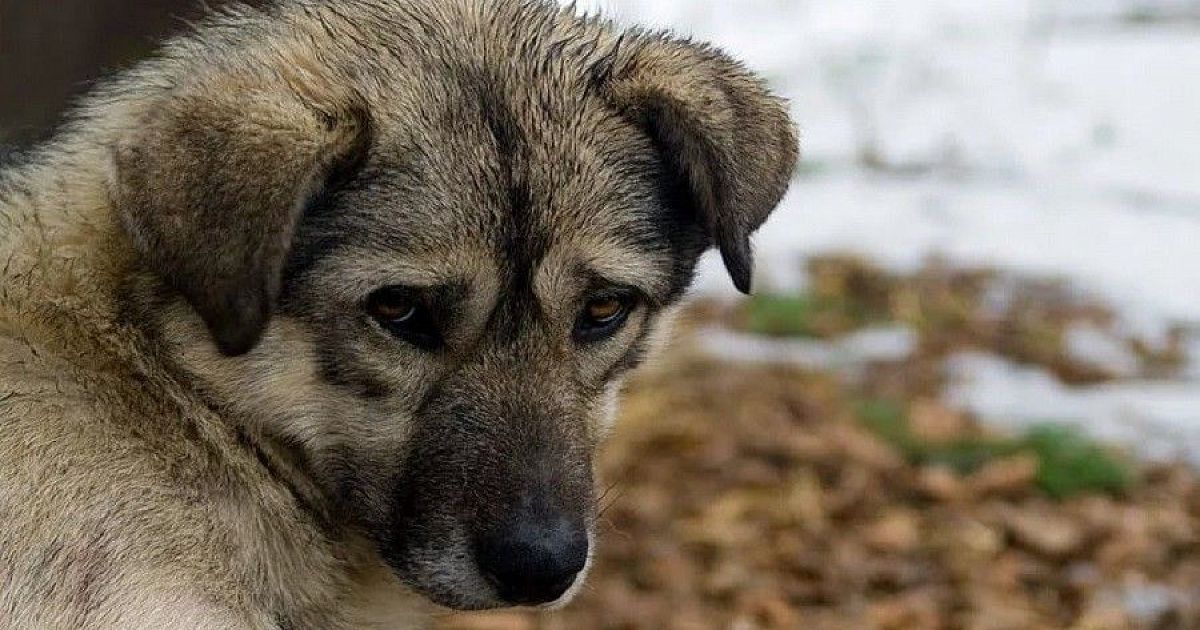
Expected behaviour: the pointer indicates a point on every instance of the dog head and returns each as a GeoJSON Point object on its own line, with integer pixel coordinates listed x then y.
{"type": "Point", "coordinates": [419, 247]}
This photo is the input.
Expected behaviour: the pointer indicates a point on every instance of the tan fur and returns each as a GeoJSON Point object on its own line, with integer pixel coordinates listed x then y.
{"type": "Point", "coordinates": [160, 422]}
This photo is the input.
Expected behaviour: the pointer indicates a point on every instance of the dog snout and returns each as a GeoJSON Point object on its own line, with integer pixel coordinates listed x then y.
{"type": "Point", "coordinates": [534, 560]}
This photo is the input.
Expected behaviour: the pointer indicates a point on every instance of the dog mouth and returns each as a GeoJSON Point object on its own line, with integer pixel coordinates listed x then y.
{"type": "Point", "coordinates": [580, 579]}
{"type": "Point", "coordinates": [460, 584]}
{"type": "Point", "coordinates": [534, 557]}
{"type": "Point", "coordinates": [532, 568]}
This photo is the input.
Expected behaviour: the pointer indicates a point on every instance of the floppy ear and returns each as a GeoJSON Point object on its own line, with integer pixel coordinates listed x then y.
{"type": "Point", "coordinates": [728, 139]}
{"type": "Point", "coordinates": [211, 188]}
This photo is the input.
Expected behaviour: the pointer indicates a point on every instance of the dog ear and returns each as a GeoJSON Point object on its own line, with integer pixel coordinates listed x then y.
{"type": "Point", "coordinates": [728, 139]}
{"type": "Point", "coordinates": [212, 184]}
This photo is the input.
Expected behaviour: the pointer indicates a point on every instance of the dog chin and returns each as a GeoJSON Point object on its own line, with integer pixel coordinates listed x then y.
{"type": "Point", "coordinates": [468, 600]}
{"type": "Point", "coordinates": [462, 599]}
{"type": "Point", "coordinates": [448, 584]}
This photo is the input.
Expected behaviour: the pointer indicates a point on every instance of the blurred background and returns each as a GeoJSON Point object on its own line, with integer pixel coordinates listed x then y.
{"type": "Point", "coordinates": [966, 395]}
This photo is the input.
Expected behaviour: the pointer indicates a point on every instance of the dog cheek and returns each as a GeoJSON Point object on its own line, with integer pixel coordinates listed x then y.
{"type": "Point", "coordinates": [605, 409]}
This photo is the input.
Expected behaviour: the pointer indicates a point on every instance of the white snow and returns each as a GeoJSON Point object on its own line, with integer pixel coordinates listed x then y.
{"type": "Point", "coordinates": [1157, 419]}
{"type": "Point", "coordinates": [1100, 348]}
{"type": "Point", "coordinates": [851, 353]}
{"type": "Point", "coordinates": [1052, 137]}
{"type": "Point", "coordinates": [1047, 137]}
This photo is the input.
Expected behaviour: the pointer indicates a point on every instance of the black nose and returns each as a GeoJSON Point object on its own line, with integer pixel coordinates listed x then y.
{"type": "Point", "coordinates": [534, 561]}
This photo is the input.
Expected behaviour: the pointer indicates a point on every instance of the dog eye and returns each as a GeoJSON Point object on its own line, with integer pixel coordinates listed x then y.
{"type": "Point", "coordinates": [603, 316]}
{"type": "Point", "coordinates": [400, 313]}
{"type": "Point", "coordinates": [393, 312]}
{"type": "Point", "coordinates": [604, 310]}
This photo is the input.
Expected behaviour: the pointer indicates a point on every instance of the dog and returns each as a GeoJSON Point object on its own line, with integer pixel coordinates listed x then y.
{"type": "Point", "coordinates": [315, 319]}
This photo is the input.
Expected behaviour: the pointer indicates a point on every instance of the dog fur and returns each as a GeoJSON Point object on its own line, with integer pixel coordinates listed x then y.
{"type": "Point", "coordinates": [200, 428]}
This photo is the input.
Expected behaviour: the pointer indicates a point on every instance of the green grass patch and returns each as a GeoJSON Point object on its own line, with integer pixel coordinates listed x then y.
{"type": "Point", "coordinates": [1069, 463]}
{"type": "Point", "coordinates": [889, 420]}
{"type": "Point", "coordinates": [802, 315]}
{"type": "Point", "coordinates": [785, 315]}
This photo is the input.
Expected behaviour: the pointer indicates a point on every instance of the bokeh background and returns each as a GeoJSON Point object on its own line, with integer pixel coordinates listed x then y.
{"type": "Point", "coordinates": [1047, 138]}
{"type": "Point", "coordinates": [966, 395]}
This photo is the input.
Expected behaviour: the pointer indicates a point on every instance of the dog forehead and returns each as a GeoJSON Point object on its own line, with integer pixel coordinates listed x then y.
{"type": "Point", "coordinates": [488, 168]}
{"type": "Point", "coordinates": [551, 222]}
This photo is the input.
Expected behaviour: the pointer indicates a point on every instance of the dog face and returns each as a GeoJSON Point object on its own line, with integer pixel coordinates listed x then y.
{"type": "Point", "coordinates": [423, 279]}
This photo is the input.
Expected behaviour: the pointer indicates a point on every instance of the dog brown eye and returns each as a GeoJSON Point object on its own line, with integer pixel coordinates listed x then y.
{"type": "Point", "coordinates": [602, 317]}
{"type": "Point", "coordinates": [393, 312]}
{"type": "Point", "coordinates": [401, 313]}
{"type": "Point", "coordinates": [605, 310]}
